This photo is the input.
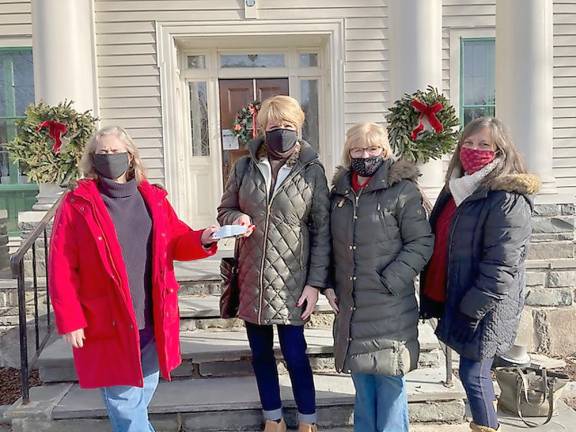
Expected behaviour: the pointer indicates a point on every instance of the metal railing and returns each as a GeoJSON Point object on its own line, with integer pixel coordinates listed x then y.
{"type": "Point", "coordinates": [18, 263]}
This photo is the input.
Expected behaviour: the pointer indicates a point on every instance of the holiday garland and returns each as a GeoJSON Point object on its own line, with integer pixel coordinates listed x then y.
{"type": "Point", "coordinates": [245, 127]}
{"type": "Point", "coordinates": [50, 142]}
{"type": "Point", "coordinates": [406, 126]}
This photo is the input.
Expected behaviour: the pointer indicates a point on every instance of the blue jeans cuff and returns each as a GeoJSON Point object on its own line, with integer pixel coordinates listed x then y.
{"type": "Point", "coordinates": [272, 415]}
{"type": "Point", "coordinates": [307, 418]}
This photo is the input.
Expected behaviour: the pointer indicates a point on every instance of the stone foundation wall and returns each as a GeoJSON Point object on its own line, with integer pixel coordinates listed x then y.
{"type": "Point", "coordinates": [548, 322]}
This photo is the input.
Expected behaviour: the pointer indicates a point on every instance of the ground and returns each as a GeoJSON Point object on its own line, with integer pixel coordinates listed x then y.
{"type": "Point", "coordinates": [10, 384]}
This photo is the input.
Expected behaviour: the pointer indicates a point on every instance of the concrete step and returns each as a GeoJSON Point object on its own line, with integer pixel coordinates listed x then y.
{"type": "Point", "coordinates": [227, 353]}
{"type": "Point", "coordinates": [232, 404]}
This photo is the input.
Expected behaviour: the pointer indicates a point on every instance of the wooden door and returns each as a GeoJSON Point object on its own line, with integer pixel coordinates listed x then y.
{"type": "Point", "coordinates": [235, 94]}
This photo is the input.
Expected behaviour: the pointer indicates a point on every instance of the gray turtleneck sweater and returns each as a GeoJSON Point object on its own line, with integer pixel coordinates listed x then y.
{"type": "Point", "coordinates": [133, 226]}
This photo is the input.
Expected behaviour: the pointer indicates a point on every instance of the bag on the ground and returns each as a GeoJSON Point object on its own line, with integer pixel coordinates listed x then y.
{"type": "Point", "coordinates": [529, 392]}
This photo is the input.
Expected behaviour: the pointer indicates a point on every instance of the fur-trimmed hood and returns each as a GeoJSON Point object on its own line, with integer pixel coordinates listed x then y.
{"type": "Point", "coordinates": [390, 173]}
{"type": "Point", "coordinates": [525, 184]}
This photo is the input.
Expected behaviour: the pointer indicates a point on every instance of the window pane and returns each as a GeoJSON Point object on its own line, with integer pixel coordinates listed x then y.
{"type": "Point", "coordinates": [309, 102]}
{"type": "Point", "coordinates": [199, 118]}
{"type": "Point", "coordinates": [252, 60]}
{"type": "Point", "coordinates": [196, 62]}
{"type": "Point", "coordinates": [470, 113]}
{"type": "Point", "coordinates": [16, 82]}
{"type": "Point", "coordinates": [478, 72]}
{"type": "Point", "coordinates": [7, 133]}
{"type": "Point", "coordinates": [308, 60]}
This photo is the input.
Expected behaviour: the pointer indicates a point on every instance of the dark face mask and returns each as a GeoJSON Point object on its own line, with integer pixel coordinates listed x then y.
{"type": "Point", "coordinates": [280, 141]}
{"type": "Point", "coordinates": [366, 167]}
{"type": "Point", "coordinates": [111, 166]}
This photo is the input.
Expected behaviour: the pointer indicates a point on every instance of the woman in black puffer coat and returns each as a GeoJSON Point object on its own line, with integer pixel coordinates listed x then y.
{"type": "Point", "coordinates": [474, 282]}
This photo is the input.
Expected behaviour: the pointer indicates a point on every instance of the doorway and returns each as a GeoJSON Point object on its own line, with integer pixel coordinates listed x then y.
{"type": "Point", "coordinates": [236, 94]}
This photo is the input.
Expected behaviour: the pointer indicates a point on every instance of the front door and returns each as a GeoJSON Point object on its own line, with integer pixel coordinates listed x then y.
{"type": "Point", "coordinates": [235, 94]}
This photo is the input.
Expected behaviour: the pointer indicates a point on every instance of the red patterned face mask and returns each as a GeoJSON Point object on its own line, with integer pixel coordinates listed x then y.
{"type": "Point", "coordinates": [475, 159]}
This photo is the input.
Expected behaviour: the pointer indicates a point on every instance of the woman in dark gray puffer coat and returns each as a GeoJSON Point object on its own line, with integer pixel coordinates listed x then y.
{"type": "Point", "coordinates": [381, 240]}
{"type": "Point", "coordinates": [475, 280]}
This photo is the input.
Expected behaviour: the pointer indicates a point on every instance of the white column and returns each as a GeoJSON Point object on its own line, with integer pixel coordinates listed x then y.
{"type": "Point", "coordinates": [63, 52]}
{"type": "Point", "coordinates": [415, 38]}
{"type": "Point", "coordinates": [524, 87]}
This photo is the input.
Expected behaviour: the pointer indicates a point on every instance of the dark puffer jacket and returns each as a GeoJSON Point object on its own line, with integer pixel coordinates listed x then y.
{"type": "Point", "coordinates": [488, 244]}
{"type": "Point", "coordinates": [381, 240]}
{"type": "Point", "coordinates": [290, 247]}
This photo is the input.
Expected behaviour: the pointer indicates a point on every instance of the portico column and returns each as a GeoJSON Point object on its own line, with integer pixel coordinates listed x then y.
{"type": "Point", "coordinates": [415, 38]}
{"type": "Point", "coordinates": [524, 87]}
{"type": "Point", "coordinates": [63, 52]}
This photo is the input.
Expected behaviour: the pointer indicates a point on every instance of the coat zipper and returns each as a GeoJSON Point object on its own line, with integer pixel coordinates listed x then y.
{"type": "Point", "coordinates": [266, 225]}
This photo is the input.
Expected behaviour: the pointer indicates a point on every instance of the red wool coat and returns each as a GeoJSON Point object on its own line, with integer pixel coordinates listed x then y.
{"type": "Point", "coordinates": [89, 285]}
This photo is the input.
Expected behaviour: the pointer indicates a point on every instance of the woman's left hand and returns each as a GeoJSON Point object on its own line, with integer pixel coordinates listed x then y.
{"type": "Point", "coordinates": [310, 297]}
{"type": "Point", "coordinates": [207, 239]}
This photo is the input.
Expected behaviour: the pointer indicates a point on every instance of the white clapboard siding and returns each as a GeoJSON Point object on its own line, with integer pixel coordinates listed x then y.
{"type": "Point", "coordinates": [128, 76]}
{"type": "Point", "coordinates": [565, 95]}
{"type": "Point", "coordinates": [15, 23]}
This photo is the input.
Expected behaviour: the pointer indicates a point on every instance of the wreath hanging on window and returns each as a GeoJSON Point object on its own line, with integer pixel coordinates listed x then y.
{"type": "Point", "coordinates": [245, 127]}
{"type": "Point", "coordinates": [50, 142]}
{"type": "Point", "coordinates": [423, 126]}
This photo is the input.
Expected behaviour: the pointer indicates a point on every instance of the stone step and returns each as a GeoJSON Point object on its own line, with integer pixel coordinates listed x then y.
{"type": "Point", "coordinates": [227, 353]}
{"type": "Point", "coordinates": [232, 404]}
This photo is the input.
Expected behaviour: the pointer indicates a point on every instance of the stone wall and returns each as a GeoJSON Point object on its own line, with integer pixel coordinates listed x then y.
{"type": "Point", "coordinates": [549, 320]}
{"type": "Point", "coordinates": [4, 251]}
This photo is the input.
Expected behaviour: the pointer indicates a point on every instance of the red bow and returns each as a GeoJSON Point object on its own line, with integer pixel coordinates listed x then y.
{"type": "Point", "coordinates": [428, 111]}
{"type": "Point", "coordinates": [55, 130]}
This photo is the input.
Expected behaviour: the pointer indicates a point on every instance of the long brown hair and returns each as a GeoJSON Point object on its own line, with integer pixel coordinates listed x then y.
{"type": "Point", "coordinates": [510, 160]}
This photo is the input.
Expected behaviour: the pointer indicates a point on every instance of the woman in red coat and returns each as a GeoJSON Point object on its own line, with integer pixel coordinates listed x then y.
{"type": "Point", "coordinates": [112, 281]}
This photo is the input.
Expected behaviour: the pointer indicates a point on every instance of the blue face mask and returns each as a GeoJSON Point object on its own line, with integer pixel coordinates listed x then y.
{"type": "Point", "coordinates": [111, 166]}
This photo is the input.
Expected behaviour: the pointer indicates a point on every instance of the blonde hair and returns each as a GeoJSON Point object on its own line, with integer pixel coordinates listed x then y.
{"type": "Point", "coordinates": [366, 134]}
{"type": "Point", "coordinates": [280, 109]}
{"type": "Point", "coordinates": [136, 169]}
{"type": "Point", "coordinates": [510, 160]}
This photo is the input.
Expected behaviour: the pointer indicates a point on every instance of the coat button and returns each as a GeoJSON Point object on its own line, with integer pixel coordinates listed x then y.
{"type": "Point", "coordinates": [350, 247]}
{"type": "Point", "coordinates": [354, 247]}
{"type": "Point", "coordinates": [350, 277]}
{"type": "Point", "coordinates": [354, 278]}
{"type": "Point", "coordinates": [163, 234]}
{"type": "Point", "coordinates": [100, 238]}
{"type": "Point", "coordinates": [350, 339]}
{"type": "Point", "coordinates": [113, 323]}
{"type": "Point", "coordinates": [131, 326]}
{"type": "Point", "coordinates": [171, 290]}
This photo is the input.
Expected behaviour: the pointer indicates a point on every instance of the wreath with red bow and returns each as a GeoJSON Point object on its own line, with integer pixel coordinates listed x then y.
{"type": "Point", "coordinates": [245, 127]}
{"type": "Point", "coordinates": [50, 142]}
{"type": "Point", "coordinates": [423, 126]}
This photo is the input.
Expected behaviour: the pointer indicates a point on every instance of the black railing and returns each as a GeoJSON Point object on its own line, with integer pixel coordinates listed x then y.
{"type": "Point", "coordinates": [18, 263]}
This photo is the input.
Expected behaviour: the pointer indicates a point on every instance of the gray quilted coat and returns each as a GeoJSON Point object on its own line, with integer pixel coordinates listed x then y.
{"type": "Point", "coordinates": [381, 240]}
{"type": "Point", "coordinates": [489, 241]}
{"type": "Point", "coordinates": [290, 246]}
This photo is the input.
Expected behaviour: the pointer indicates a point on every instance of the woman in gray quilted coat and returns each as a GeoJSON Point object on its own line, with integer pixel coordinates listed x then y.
{"type": "Point", "coordinates": [381, 240]}
{"type": "Point", "coordinates": [280, 192]}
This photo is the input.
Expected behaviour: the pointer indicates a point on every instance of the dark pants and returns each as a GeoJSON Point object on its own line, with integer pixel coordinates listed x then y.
{"type": "Point", "coordinates": [477, 380]}
{"type": "Point", "coordinates": [293, 345]}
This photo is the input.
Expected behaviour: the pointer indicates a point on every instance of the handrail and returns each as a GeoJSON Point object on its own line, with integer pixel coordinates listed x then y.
{"type": "Point", "coordinates": [18, 272]}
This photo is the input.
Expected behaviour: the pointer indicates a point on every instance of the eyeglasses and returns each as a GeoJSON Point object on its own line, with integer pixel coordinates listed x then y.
{"type": "Point", "coordinates": [359, 151]}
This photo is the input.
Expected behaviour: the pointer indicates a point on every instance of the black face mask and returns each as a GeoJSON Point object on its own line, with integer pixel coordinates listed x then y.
{"type": "Point", "coordinates": [281, 140]}
{"type": "Point", "coordinates": [111, 166]}
{"type": "Point", "coordinates": [366, 167]}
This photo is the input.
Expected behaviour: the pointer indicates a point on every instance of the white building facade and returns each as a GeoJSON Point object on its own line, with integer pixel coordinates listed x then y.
{"type": "Point", "coordinates": [173, 73]}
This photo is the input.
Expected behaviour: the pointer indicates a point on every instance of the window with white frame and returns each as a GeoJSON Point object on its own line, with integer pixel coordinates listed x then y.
{"type": "Point", "coordinates": [477, 78]}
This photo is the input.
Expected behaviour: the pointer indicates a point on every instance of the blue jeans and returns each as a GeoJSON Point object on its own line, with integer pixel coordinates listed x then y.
{"type": "Point", "coordinates": [127, 406]}
{"type": "Point", "coordinates": [477, 381]}
{"type": "Point", "coordinates": [381, 404]}
{"type": "Point", "coordinates": [293, 346]}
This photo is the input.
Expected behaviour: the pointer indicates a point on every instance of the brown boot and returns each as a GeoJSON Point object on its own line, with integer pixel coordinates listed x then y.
{"type": "Point", "coordinates": [476, 428]}
{"type": "Point", "coordinates": [307, 427]}
{"type": "Point", "coordinates": [273, 426]}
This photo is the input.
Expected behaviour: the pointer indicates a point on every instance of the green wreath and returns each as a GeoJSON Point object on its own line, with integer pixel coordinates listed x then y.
{"type": "Point", "coordinates": [407, 134]}
{"type": "Point", "coordinates": [50, 142]}
{"type": "Point", "coordinates": [244, 122]}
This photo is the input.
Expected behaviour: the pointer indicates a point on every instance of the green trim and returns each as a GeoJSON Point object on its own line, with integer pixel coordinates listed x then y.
{"type": "Point", "coordinates": [9, 187]}
{"type": "Point", "coordinates": [462, 106]}
{"type": "Point", "coordinates": [15, 49]}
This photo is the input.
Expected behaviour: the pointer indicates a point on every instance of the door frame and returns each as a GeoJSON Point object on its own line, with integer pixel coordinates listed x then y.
{"type": "Point", "coordinates": [173, 84]}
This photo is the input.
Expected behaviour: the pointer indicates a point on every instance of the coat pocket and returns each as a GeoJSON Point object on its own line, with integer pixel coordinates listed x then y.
{"type": "Point", "coordinates": [389, 223]}
{"type": "Point", "coordinates": [99, 318]}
